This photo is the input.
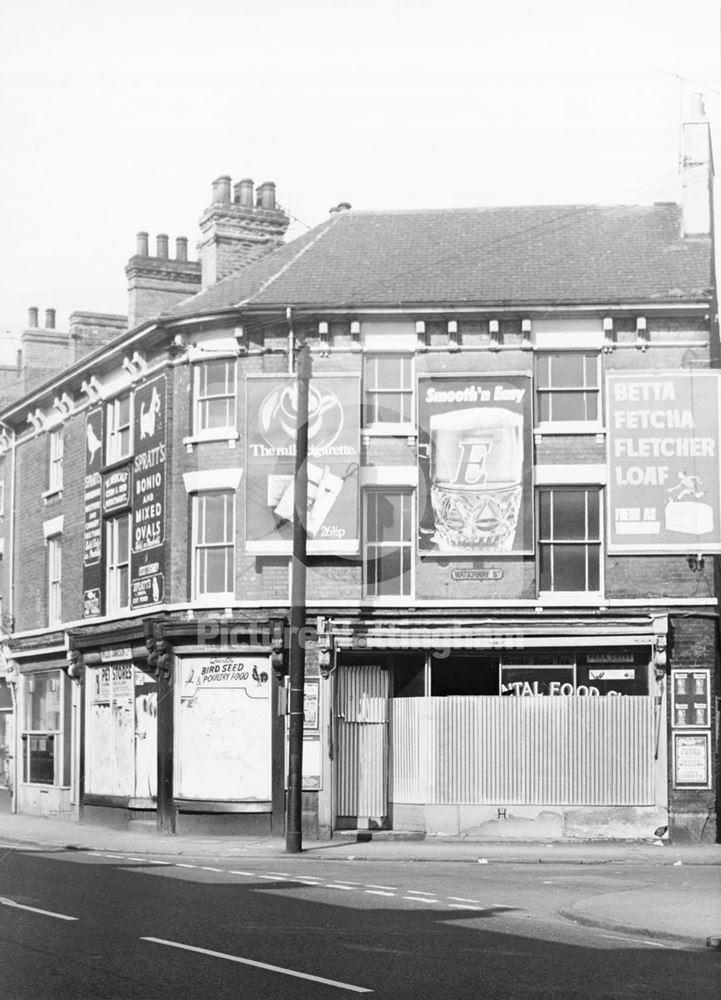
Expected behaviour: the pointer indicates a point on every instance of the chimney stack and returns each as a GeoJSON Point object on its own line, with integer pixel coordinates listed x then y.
{"type": "Point", "coordinates": [33, 313]}
{"type": "Point", "coordinates": [238, 232]}
{"type": "Point", "coordinates": [49, 319]}
{"type": "Point", "coordinates": [157, 283]}
{"type": "Point", "coordinates": [696, 170]}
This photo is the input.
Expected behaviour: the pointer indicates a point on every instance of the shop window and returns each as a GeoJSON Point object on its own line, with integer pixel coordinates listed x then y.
{"type": "Point", "coordinates": [388, 390]}
{"type": "Point", "coordinates": [569, 544]}
{"type": "Point", "coordinates": [214, 544]}
{"type": "Point", "coordinates": [55, 469]}
{"type": "Point", "coordinates": [568, 387]}
{"type": "Point", "coordinates": [463, 674]}
{"type": "Point", "coordinates": [118, 563]}
{"type": "Point", "coordinates": [118, 441]}
{"type": "Point", "coordinates": [388, 543]}
{"type": "Point", "coordinates": [55, 575]}
{"type": "Point", "coordinates": [41, 736]}
{"type": "Point", "coordinates": [215, 397]}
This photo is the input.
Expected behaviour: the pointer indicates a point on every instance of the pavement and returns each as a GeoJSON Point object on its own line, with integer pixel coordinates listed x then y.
{"type": "Point", "coordinates": [688, 914]}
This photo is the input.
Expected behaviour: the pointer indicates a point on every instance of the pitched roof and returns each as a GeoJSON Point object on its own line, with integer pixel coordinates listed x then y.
{"type": "Point", "coordinates": [555, 255]}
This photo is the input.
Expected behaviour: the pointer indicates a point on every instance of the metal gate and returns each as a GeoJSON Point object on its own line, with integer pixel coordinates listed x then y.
{"type": "Point", "coordinates": [362, 747]}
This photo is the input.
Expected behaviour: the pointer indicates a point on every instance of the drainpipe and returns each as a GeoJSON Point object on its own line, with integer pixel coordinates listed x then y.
{"type": "Point", "coordinates": [9, 514]}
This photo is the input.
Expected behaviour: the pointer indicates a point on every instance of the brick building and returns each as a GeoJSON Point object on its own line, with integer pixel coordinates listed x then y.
{"type": "Point", "coordinates": [514, 500]}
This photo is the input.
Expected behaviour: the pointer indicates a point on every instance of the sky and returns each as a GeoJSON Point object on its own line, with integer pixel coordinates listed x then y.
{"type": "Point", "coordinates": [117, 116]}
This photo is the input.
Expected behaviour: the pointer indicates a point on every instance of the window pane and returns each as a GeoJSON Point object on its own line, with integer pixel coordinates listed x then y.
{"type": "Point", "coordinates": [593, 501]}
{"type": "Point", "coordinates": [215, 521]}
{"type": "Point", "coordinates": [569, 514]}
{"type": "Point", "coordinates": [388, 373]}
{"type": "Point", "coordinates": [123, 588]}
{"type": "Point", "coordinates": [544, 514]}
{"type": "Point", "coordinates": [40, 762]}
{"type": "Point", "coordinates": [569, 567]}
{"type": "Point", "coordinates": [592, 370]}
{"type": "Point", "coordinates": [123, 550]}
{"type": "Point", "coordinates": [387, 517]}
{"type": "Point", "coordinates": [568, 406]}
{"type": "Point", "coordinates": [594, 573]}
{"type": "Point", "coordinates": [545, 561]}
{"type": "Point", "coordinates": [389, 572]}
{"type": "Point", "coordinates": [217, 378]}
{"type": "Point", "coordinates": [123, 405]}
{"type": "Point", "coordinates": [43, 706]}
{"type": "Point", "coordinates": [567, 370]}
{"type": "Point", "coordinates": [214, 573]}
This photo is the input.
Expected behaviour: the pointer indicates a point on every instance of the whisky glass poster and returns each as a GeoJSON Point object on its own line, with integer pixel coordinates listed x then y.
{"type": "Point", "coordinates": [475, 465]}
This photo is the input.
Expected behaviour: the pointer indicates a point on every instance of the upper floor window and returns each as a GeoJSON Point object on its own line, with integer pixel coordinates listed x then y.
{"type": "Point", "coordinates": [388, 390]}
{"type": "Point", "coordinates": [568, 387]}
{"type": "Point", "coordinates": [388, 551]}
{"type": "Point", "coordinates": [119, 438]}
{"type": "Point", "coordinates": [117, 563]}
{"type": "Point", "coordinates": [56, 450]}
{"type": "Point", "coordinates": [569, 540]}
{"type": "Point", "coordinates": [214, 395]}
{"type": "Point", "coordinates": [55, 574]}
{"type": "Point", "coordinates": [214, 544]}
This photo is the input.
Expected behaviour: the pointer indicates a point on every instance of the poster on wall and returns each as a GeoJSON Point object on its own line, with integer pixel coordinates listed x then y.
{"type": "Point", "coordinates": [691, 760]}
{"type": "Point", "coordinates": [147, 561]}
{"type": "Point", "coordinates": [92, 527]}
{"type": "Point", "coordinates": [664, 475]}
{"type": "Point", "coordinates": [333, 463]}
{"type": "Point", "coordinates": [691, 699]}
{"type": "Point", "coordinates": [224, 728]}
{"type": "Point", "coordinates": [475, 465]}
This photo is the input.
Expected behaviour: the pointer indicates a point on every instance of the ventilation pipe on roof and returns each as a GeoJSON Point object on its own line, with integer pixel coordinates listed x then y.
{"type": "Point", "coordinates": [696, 170]}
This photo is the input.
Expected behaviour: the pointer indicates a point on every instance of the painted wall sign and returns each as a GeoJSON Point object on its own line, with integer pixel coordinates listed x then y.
{"type": "Point", "coordinates": [333, 463]}
{"type": "Point", "coordinates": [249, 672]}
{"type": "Point", "coordinates": [92, 528]}
{"type": "Point", "coordinates": [691, 760]}
{"type": "Point", "coordinates": [664, 475]}
{"type": "Point", "coordinates": [475, 464]}
{"type": "Point", "coordinates": [112, 654]}
{"type": "Point", "coordinates": [147, 560]}
{"type": "Point", "coordinates": [691, 699]}
{"type": "Point", "coordinates": [116, 490]}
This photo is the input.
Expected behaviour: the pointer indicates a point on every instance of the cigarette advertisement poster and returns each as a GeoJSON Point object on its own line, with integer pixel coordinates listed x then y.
{"type": "Point", "coordinates": [475, 465]}
{"type": "Point", "coordinates": [664, 478]}
{"type": "Point", "coordinates": [333, 464]}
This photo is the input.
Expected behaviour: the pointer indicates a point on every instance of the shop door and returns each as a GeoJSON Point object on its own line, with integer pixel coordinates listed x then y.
{"type": "Point", "coordinates": [362, 694]}
{"type": "Point", "coordinates": [146, 736]}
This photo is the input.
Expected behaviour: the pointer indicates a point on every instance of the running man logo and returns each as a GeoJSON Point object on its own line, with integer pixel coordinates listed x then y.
{"type": "Point", "coordinates": [471, 470]}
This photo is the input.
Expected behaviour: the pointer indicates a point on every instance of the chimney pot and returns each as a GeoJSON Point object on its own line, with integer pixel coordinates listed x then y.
{"type": "Point", "coordinates": [244, 193]}
{"type": "Point", "coordinates": [142, 245]}
{"type": "Point", "coordinates": [181, 248]}
{"type": "Point", "coordinates": [49, 319]}
{"type": "Point", "coordinates": [161, 244]}
{"type": "Point", "coordinates": [266, 195]}
{"type": "Point", "coordinates": [33, 316]}
{"type": "Point", "coordinates": [221, 190]}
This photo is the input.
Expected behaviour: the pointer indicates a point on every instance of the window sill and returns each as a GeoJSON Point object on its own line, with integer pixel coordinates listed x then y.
{"type": "Point", "coordinates": [569, 427]}
{"type": "Point", "coordinates": [571, 597]}
{"type": "Point", "coordinates": [53, 494]}
{"type": "Point", "coordinates": [209, 437]}
{"type": "Point", "coordinates": [389, 430]}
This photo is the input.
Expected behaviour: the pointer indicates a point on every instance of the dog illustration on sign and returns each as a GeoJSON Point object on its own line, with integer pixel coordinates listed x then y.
{"type": "Point", "coordinates": [149, 414]}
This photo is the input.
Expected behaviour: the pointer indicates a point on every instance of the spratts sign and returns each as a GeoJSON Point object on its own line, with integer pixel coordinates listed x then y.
{"type": "Point", "coordinates": [664, 480]}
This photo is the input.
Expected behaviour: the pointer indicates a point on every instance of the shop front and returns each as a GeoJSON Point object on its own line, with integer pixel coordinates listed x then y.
{"type": "Point", "coordinates": [503, 738]}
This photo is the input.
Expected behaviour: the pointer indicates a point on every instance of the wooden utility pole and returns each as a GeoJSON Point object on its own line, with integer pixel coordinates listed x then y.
{"type": "Point", "coordinates": [293, 832]}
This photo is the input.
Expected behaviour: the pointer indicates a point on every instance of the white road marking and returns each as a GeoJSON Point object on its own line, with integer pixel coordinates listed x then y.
{"type": "Point", "coordinates": [179, 864]}
{"type": "Point", "coordinates": [462, 899]}
{"type": "Point", "coordinates": [151, 862]}
{"type": "Point", "coordinates": [115, 857]}
{"type": "Point", "coordinates": [370, 885]}
{"type": "Point", "coordinates": [283, 874]}
{"type": "Point", "coordinates": [419, 892]}
{"type": "Point", "coordinates": [630, 937]}
{"type": "Point", "coordinates": [34, 909]}
{"type": "Point", "coordinates": [335, 885]}
{"type": "Point", "coordinates": [378, 892]}
{"type": "Point", "coordinates": [420, 899]}
{"type": "Point", "coordinates": [272, 878]}
{"type": "Point", "coordinates": [143, 861]}
{"type": "Point", "coordinates": [463, 906]}
{"type": "Point", "coordinates": [258, 965]}
{"type": "Point", "coordinates": [205, 868]}
{"type": "Point", "coordinates": [249, 874]}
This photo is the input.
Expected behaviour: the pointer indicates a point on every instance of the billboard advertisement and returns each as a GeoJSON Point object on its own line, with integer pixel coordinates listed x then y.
{"type": "Point", "coordinates": [333, 463]}
{"type": "Point", "coordinates": [475, 463]}
{"type": "Point", "coordinates": [664, 479]}
{"type": "Point", "coordinates": [147, 561]}
{"type": "Point", "coordinates": [93, 519]}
